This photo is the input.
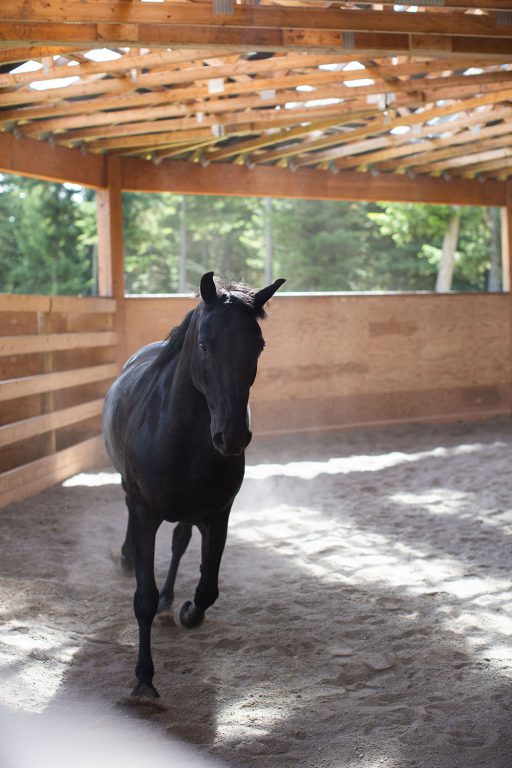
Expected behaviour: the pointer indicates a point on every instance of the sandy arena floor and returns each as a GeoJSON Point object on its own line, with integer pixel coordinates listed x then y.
{"type": "Point", "coordinates": [365, 616]}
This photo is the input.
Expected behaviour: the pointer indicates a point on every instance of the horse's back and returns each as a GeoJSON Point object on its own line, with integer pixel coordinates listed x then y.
{"type": "Point", "coordinates": [145, 354]}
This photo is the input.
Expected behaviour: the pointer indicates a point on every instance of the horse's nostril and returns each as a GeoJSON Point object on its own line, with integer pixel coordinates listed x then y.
{"type": "Point", "coordinates": [231, 445]}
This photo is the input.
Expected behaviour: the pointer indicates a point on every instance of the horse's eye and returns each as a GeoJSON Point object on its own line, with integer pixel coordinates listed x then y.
{"type": "Point", "coordinates": [202, 346]}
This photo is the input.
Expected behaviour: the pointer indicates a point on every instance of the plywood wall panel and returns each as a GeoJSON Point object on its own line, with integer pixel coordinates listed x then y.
{"type": "Point", "coordinates": [335, 360]}
{"type": "Point", "coordinates": [151, 319]}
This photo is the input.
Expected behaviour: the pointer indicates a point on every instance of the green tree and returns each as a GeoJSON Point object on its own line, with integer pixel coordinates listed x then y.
{"type": "Point", "coordinates": [322, 245]}
{"type": "Point", "coordinates": [417, 232]}
{"type": "Point", "coordinates": [223, 234]}
{"type": "Point", "coordinates": [151, 227]}
{"type": "Point", "coordinates": [49, 234]}
{"type": "Point", "coordinates": [49, 242]}
{"type": "Point", "coordinates": [226, 235]}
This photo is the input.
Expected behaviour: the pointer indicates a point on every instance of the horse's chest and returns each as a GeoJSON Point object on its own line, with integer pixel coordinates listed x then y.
{"type": "Point", "coordinates": [190, 487]}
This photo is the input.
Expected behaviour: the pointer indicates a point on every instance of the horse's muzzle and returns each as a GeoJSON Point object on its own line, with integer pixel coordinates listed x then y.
{"type": "Point", "coordinates": [230, 444]}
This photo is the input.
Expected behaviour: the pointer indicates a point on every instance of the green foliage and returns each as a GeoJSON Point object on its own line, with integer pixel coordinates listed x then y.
{"type": "Point", "coordinates": [150, 243]}
{"type": "Point", "coordinates": [222, 233]}
{"type": "Point", "coordinates": [48, 237]}
{"type": "Point", "coordinates": [321, 245]}
{"type": "Point", "coordinates": [417, 232]}
{"type": "Point", "coordinates": [49, 242]}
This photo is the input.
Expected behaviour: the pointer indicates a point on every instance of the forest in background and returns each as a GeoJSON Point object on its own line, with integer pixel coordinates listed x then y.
{"type": "Point", "coordinates": [49, 242]}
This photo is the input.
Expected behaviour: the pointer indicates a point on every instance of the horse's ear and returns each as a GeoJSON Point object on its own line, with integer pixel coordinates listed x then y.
{"type": "Point", "coordinates": [207, 288]}
{"type": "Point", "coordinates": [265, 294]}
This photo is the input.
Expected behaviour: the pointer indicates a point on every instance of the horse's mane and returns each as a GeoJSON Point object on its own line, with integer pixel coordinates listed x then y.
{"type": "Point", "coordinates": [173, 343]}
{"type": "Point", "coordinates": [229, 293]}
{"type": "Point", "coordinates": [240, 294]}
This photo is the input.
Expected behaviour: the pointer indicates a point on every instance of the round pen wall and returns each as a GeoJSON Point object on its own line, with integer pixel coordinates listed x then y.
{"type": "Point", "coordinates": [333, 360]}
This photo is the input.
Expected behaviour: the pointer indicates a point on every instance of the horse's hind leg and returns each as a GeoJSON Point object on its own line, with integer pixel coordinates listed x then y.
{"type": "Point", "coordinates": [127, 559]}
{"type": "Point", "coordinates": [180, 540]}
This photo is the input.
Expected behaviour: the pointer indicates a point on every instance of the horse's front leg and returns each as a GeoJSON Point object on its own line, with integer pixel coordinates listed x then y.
{"type": "Point", "coordinates": [145, 602]}
{"type": "Point", "coordinates": [213, 539]}
{"type": "Point", "coordinates": [180, 541]}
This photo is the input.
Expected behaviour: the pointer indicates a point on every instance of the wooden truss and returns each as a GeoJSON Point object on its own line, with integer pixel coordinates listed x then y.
{"type": "Point", "coordinates": [423, 89]}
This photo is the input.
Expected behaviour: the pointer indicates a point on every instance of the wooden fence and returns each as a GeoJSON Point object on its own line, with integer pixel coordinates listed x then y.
{"type": "Point", "coordinates": [57, 359]}
{"type": "Point", "coordinates": [332, 361]}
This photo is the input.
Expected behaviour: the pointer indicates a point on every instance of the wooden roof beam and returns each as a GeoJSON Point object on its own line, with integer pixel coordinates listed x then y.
{"type": "Point", "coordinates": [385, 125]}
{"type": "Point", "coordinates": [312, 75]}
{"type": "Point", "coordinates": [409, 150]}
{"type": "Point", "coordinates": [123, 64]}
{"type": "Point", "coordinates": [205, 114]}
{"type": "Point", "coordinates": [53, 163]}
{"type": "Point", "coordinates": [200, 113]}
{"type": "Point", "coordinates": [183, 177]}
{"type": "Point", "coordinates": [244, 122]}
{"type": "Point", "coordinates": [452, 146]}
{"type": "Point", "coordinates": [166, 78]}
{"type": "Point", "coordinates": [278, 38]}
{"type": "Point", "coordinates": [130, 13]}
{"type": "Point", "coordinates": [464, 5]}
{"type": "Point", "coordinates": [22, 53]}
{"type": "Point", "coordinates": [130, 100]}
{"type": "Point", "coordinates": [480, 152]}
{"type": "Point", "coordinates": [29, 157]}
{"type": "Point", "coordinates": [499, 169]}
{"type": "Point", "coordinates": [268, 140]}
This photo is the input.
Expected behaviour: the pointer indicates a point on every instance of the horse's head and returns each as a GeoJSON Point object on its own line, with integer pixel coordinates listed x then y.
{"type": "Point", "coordinates": [228, 343]}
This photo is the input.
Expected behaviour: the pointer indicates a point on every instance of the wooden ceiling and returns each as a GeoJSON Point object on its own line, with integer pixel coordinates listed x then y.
{"type": "Point", "coordinates": [422, 89]}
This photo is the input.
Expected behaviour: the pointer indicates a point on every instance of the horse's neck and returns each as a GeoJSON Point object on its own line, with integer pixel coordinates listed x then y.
{"type": "Point", "coordinates": [185, 402]}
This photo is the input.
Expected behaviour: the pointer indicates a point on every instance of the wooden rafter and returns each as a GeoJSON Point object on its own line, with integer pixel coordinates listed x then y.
{"type": "Point", "coordinates": [297, 83]}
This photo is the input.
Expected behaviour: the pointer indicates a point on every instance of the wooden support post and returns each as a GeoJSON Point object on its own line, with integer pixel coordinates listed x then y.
{"type": "Point", "coordinates": [110, 247]}
{"type": "Point", "coordinates": [506, 239]}
{"type": "Point", "coordinates": [506, 255]}
{"type": "Point", "coordinates": [44, 326]}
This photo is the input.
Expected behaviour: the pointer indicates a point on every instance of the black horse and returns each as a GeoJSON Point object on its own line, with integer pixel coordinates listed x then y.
{"type": "Point", "coordinates": [175, 426]}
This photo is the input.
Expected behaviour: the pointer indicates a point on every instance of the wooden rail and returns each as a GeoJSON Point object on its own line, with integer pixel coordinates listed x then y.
{"type": "Point", "coordinates": [57, 359]}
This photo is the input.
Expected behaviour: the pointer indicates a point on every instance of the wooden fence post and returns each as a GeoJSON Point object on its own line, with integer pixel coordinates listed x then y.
{"type": "Point", "coordinates": [44, 326]}
{"type": "Point", "coordinates": [110, 247]}
{"type": "Point", "coordinates": [506, 256]}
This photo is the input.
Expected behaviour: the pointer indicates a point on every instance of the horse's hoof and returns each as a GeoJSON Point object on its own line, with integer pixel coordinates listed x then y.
{"type": "Point", "coordinates": [188, 616]}
{"type": "Point", "coordinates": [164, 609]}
{"type": "Point", "coordinates": [145, 690]}
{"type": "Point", "coordinates": [124, 565]}
{"type": "Point", "coordinates": [127, 563]}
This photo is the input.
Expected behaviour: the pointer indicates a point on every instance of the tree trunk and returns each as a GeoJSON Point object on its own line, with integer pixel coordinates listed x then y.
{"type": "Point", "coordinates": [451, 237]}
{"type": "Point", "coordinates": [493, 283]}
{"type": "Point", "coordinates": [182, 271]}
{"type": "Point", "coordinates": [268, 240]}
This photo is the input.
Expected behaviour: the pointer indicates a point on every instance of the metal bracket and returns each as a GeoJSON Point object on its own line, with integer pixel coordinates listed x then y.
{"type": "Point", "coordinates": [503, 18]}
{"type": "Point", "coordinates": [223, 7]}
{"type": "Point", "coordinates": [348, 39]}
